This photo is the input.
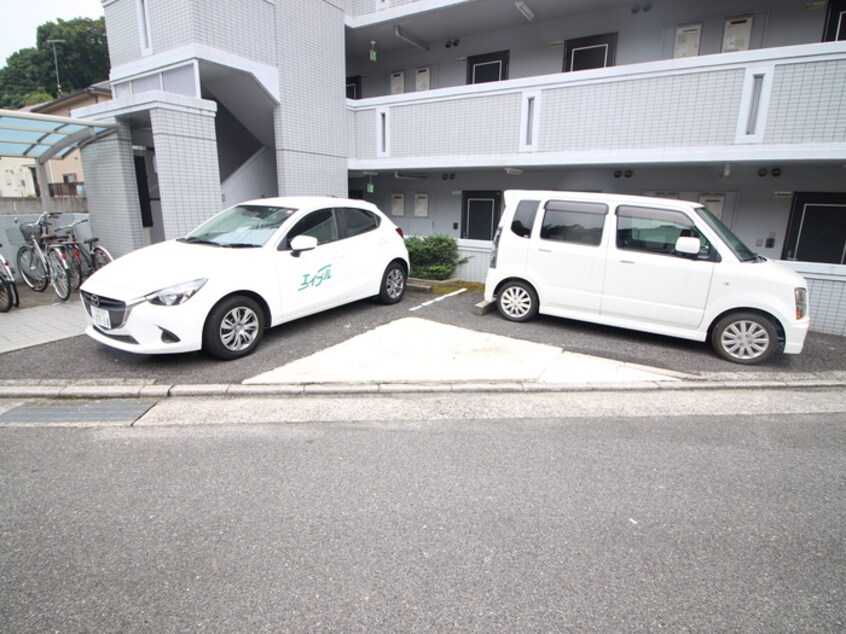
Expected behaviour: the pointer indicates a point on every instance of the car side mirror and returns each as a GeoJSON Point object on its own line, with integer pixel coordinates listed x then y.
{"type": "Point", "coordinates": [302, 243]}
{"type": "Point", "coordinates": [688, 245]}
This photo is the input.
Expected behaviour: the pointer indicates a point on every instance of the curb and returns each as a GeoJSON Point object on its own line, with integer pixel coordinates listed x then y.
{"type": "Point", "coordinates": [107, 391]}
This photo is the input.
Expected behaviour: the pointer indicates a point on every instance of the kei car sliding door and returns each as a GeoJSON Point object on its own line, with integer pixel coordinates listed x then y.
{"type": "Point", "coordinates": [567, 256]}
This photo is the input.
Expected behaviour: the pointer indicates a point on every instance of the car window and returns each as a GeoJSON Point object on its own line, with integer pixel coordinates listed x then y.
{"type": "Point", "coordinates": [359, 221]}
{"type": "Point", "coordinates": [656, 231]}
{"type": "Point", "coordinates": [244, 225]}
{"type": "Point", "coordinates": [579, 223]}
{"type": "Point", "coordinates": [318, 224]}
{"type": "Point", "coordinates": [524, 217]}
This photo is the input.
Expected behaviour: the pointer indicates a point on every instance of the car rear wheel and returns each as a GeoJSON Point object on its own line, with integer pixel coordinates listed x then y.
{"type": "Point", "coordinates": [746, 338]}
{"type": "Point", "coordinates": [517, 301]}
{"type": "Point", "coordinates": [393, 284]}
{"type": "Point", "coordinates": [234, 328]}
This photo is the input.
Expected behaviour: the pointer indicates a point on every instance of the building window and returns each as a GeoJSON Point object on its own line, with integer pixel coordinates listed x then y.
{"type": "Point", "coordinates": [584, 53]}
{"type": "Point", "coordinates": [487, 67]}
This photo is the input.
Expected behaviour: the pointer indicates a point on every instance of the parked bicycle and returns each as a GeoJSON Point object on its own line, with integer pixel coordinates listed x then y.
{"type": "Point", "coordinates": [85, 256]}
{"type": "Point", "coordinates": [8, 288]}
{"type": "Point", "coordinates": [41, 263]}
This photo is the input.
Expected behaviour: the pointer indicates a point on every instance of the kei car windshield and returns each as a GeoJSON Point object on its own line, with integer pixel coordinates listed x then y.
{"type": "Point", "coordinates": [740, 250]}
{"type": "Point", "coordinates": [241, 226]}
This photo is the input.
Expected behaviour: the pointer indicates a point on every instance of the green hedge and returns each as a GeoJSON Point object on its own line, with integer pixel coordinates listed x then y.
{"type": "Point", "coordinates": [433, 257]}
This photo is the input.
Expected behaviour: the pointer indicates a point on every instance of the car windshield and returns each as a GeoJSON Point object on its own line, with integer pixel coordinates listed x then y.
{"type": "Point", "coordinates": [740, 250]}
{"type": "Point", "coordinates": [241, 226]}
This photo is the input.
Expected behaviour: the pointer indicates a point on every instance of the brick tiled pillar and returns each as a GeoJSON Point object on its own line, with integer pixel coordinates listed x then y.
{"type": "Point", "coordinates": [115, 213]}
{"type": "Point", "coordinates": [189, 176]}
{"type": "Point", "coordinates": [311, 121]}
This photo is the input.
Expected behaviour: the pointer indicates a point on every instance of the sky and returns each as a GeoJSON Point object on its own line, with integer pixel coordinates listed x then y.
{"type": "Point", "coordinates": [21, 18]}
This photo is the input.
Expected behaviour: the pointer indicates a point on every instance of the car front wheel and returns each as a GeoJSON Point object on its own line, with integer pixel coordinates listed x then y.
{"type": "Point", "coordinates": [234, 328]}
{"type": "Point", "coordinates": [517, 301]}
{"type": "Point", "coordinates": [746, 338]}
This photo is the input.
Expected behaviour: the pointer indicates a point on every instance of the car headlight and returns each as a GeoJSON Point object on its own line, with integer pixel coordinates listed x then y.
{"type": "Point", "coordinates": [177, 294]}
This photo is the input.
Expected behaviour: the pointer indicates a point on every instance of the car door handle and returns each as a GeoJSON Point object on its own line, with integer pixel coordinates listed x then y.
{"type": "Point", "coordinates": [626, 262]}
{"type": "Point", "coordinates": [545, 250]}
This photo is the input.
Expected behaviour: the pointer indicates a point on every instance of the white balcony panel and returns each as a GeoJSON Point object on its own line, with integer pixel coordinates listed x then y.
{"type": "Point", "coordinates": [487, 124]}
{"type": "Point", "coordinates": [674, 111]}
{"type": "Point", "coordinates": [808, 103]}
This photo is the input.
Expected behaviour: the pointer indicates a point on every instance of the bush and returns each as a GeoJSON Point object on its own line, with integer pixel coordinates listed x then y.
{"type": "Point", "coordinates": [433, 257]}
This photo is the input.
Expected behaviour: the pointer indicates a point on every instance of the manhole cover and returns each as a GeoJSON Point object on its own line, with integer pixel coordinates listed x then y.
{"type": "Point", "coordinates": [105, 411]}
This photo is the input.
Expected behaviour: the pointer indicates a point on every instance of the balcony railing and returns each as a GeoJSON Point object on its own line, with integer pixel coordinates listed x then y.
{"type": "Point", "coordinates": [753, 105]}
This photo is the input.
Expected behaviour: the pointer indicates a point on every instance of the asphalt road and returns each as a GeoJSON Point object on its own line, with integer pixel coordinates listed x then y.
{"type": "Point", "coordinates": [678, 520]}
{"type": "Point", "coordinates": [82, 358]}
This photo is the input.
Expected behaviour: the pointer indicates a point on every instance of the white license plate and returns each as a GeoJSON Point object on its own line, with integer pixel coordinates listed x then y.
{"type": "Point", "coordinates": [101, 317]}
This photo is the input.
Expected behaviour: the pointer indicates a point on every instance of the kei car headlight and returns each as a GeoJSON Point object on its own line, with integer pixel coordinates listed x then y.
{"type": "Point", "coordinates": [177, 294]}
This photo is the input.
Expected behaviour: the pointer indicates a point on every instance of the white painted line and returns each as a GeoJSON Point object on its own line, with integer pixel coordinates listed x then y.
{"type": "Point", "coordinates": [437, 299]}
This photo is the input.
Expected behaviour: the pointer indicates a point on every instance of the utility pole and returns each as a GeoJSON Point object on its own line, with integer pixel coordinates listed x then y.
{"type": "Point", "coordinates": [56, 64]}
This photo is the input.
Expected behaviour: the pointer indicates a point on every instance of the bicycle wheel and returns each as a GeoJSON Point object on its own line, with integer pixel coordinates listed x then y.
{"type": "Point", "coordinates": [32, 269]}
{"type": "Point", "coordinates": [59, 275]}
{"type": "Point", "coordinates": [6, 296]}
{"type": "Point", "coordinates": [101, 257]}
{"type": "Point", "coordinates": [74, 267]}
{"type": "Point", "coordinates": [86, 261]}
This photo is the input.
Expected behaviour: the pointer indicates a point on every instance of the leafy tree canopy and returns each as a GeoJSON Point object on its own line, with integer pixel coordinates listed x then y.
{"type": "Point", "coordinates": [83, 59]}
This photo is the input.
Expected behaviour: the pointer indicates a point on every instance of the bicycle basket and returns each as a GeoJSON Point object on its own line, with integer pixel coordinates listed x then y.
{"type": "Point", "coordinates": [29, 232]}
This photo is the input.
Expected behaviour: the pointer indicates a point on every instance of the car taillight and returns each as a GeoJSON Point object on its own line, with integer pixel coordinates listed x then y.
{"type": "Point", "coordinates": [399, 231]}
{"type": "Point", "coordinates": [801, 296]}
{"type": "Point", "coordinates": [495, 247]}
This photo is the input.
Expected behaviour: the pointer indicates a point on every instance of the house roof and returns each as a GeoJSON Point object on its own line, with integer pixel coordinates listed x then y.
{"type": "Point", "coordinates": [93, 93]}
{"type": "Point", "coordinates": [43, 137]}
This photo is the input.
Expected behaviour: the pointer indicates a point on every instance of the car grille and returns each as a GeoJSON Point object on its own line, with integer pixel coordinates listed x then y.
{"type": "Point", "coordinates": [123, 338]}
{"type": "Point", "coordinates": [118, 311]}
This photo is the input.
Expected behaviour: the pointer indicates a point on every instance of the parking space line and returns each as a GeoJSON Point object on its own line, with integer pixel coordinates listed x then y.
{"type": "Point", "coordinates": [437, 299]}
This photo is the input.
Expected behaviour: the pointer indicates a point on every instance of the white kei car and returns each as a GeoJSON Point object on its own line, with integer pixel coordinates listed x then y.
{"type": "Point", "coordinates": [250, 267]}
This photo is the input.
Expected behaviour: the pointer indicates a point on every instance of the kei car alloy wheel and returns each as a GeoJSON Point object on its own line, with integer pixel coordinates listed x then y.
{"type": "Point", "coordinates": [517, 301]}
{"type": "Point", "coordinates": [746, 338]}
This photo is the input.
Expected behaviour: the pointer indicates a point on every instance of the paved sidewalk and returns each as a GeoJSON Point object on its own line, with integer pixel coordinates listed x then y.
{"type": "Point", "coordinates": [23, 327]}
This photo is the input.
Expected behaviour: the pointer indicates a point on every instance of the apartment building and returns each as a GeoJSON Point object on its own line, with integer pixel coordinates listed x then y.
{"type": "Point", "coordinates": [432, 108]}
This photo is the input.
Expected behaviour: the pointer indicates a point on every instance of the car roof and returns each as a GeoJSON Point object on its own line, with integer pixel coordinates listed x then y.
{"type": "Point", "coordinates": [614, 199]}
{"type": "Point", "coordinates": [309, 202]}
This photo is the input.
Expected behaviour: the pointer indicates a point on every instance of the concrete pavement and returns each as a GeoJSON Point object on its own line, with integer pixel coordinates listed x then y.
{"type": "Point", "coordinates": [409, 355]}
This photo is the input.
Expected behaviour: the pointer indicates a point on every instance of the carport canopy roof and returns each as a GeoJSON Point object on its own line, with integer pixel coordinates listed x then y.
{"type": "Point", "coordinates": [43, 137]}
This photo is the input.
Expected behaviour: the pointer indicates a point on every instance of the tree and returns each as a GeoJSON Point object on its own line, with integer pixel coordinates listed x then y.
{"type": "Point", "coordinates": [20, 77]}
{"type": "Point", "coordinates": [83, 59]}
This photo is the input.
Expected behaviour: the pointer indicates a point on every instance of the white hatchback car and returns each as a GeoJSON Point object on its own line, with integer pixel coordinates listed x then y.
{"type": "Point", "coordinates": [250, 267]}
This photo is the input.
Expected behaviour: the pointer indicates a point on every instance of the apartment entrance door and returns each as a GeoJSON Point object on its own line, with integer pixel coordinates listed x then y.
{"type": "Point", "coordinates": [835, 21]}
{"type": "Point", "coordinates": [816, 231]}
{"type": "Point", "coordinates": [487, 67]}
{"type": "Point", "coordinates": [480, 215]}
